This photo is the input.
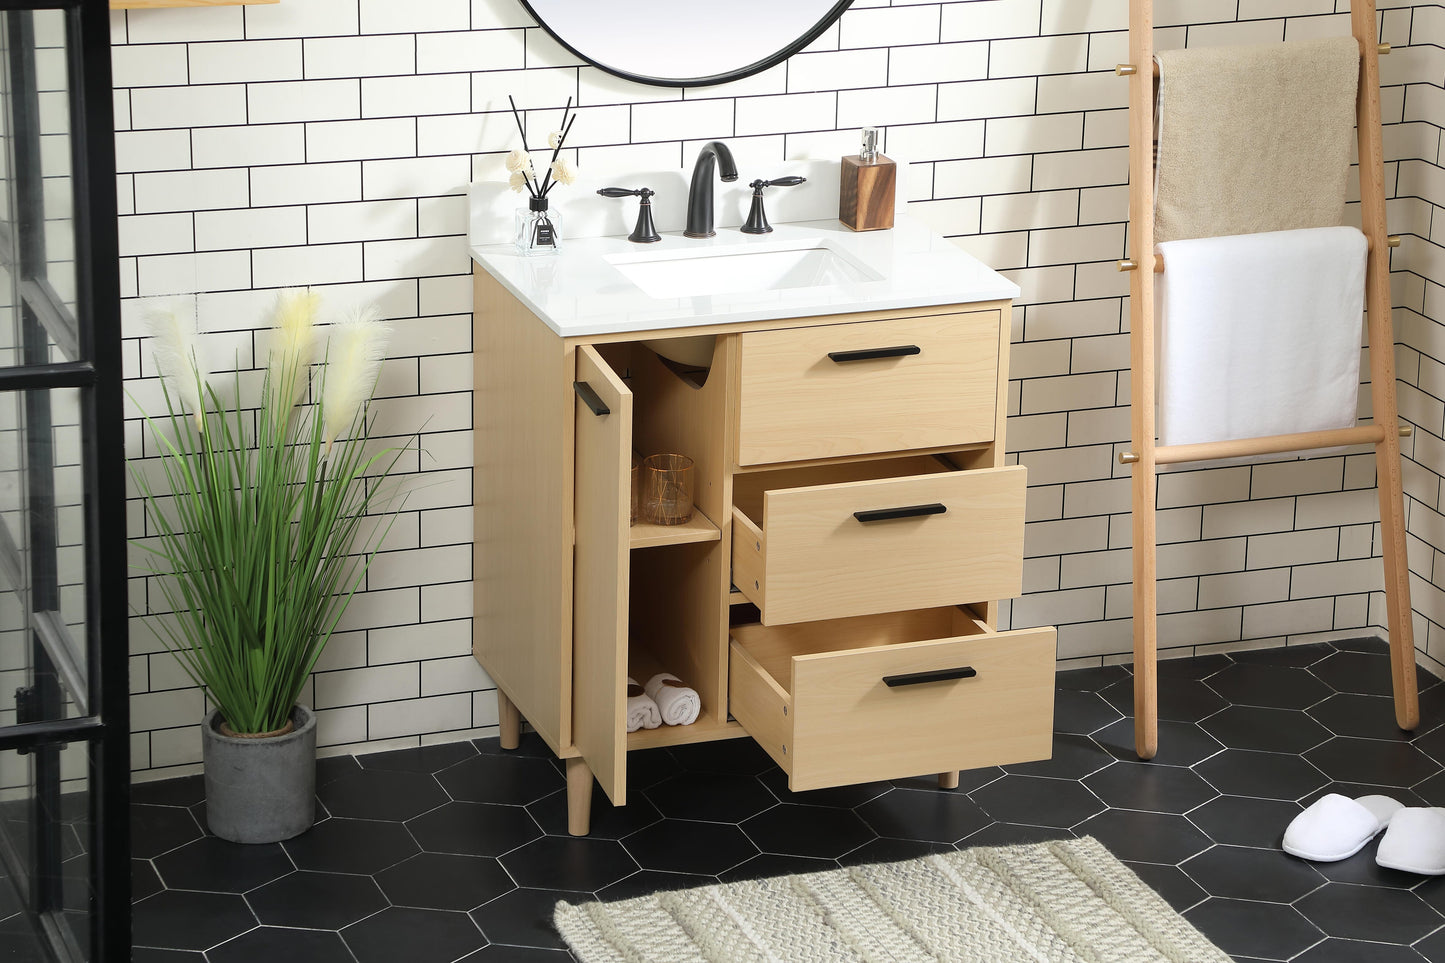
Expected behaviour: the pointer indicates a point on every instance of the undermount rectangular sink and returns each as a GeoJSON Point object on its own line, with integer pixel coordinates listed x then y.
{"type": "Point", "coordinates": [741, 269]}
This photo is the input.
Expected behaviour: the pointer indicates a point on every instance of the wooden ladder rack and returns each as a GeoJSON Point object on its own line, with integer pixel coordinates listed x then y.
{"type": "Point", "coordinates": [1384, 434]}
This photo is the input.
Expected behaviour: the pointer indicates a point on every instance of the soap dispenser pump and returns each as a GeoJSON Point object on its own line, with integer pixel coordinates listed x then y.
{"type": "Point", "coordinates": [865, 187]}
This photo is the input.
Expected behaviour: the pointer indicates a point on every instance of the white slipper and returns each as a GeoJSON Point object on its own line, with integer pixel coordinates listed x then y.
{"type": "Point", "coordinates": [1415, 842]}
{"type": "Point", "coordinates": [1335, 827]}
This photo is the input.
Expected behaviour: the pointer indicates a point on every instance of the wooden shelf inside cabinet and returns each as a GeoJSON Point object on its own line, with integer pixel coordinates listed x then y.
{"type": "Point", "coordinates": [706, 729]}
{"type": "Point", "coordinates": [697, 529]}
{"type": "Point", "coordinates": [157, 4]}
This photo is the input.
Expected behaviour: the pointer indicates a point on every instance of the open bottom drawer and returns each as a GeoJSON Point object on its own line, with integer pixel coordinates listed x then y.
{"type": "Point", "coordinates": [888, 696]}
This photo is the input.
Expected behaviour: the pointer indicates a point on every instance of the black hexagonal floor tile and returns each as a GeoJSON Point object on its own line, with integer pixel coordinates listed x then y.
{"type": "Point", "coordinates": [648, 881]}
{"type": "Point", "coordinates": [1181, 699]}
{"type": "Point", "coordinates": [1170, 882]}
{"type": "Point", "coordinates": [1269, 730]}
{"type": "Point", "coordinates": [720, 797]}
{"type": "Point", "coordinates": [841, 797]}
{"type": "Point", "coordinates": [444, 881]}
{"type": "Point", "coordinates": [222, 867]}
{"type": "Point", "coordinates": [277, 943]}
{"type": "Point", "coordinates": [332, 768]}
{"type": "Point", "coordinates": [1299, 656]}
{"type": "Point", "coordinates": [184, 920]}
{"type": "Point", "coordinates": [523, 917]}
{"type": "Point", "coordinates": [766, 865]}
{"type": "Point", "coordinates": [1146, 837]}
{"type": "Point", "coordinates": [742, 756]}
{"type": "Point", "coordinates": [1242, 821]}
{"type": "Point", "coordinates": [792, 830]}
{"type": "Point", "coordinates": [474, 829]}
{"type": "Point", "coordinates": [414, 935]}
{"type": "Point", "coordinates": [581, 862]}
{"type": "Point", "coordinates": [1363, 673]}
{"type": "Point", "coordinates": [500, 953]}
{"type": "Point", "coordinates": [182, 791]}
{"type": "Point", "coordinates": [1073, 757]}
{"type": "Point", "coordinates": [1431, 948]}
{"type": "Point", "coordinates": [1432, 891]}
{"type": "Point", "coordinates": [938, 817]}
{"type": "Point", "coordinates": [1014, 834]}
{"type": "Point", "coordinates": [607, 821]}
{"type": "Point", "coordinates": [320, 900]}
{"type": "Point", "coordinates": [1091, 679]}
{"type": "Point", "coordinates": [1179, 743]}
{"type": "Point", "coordinates": [893, 850]}
{"type": "Point", "coordinates": [143, 882]}
{"type": "Point", "coordinates": [381, 794]}
{"type": "Point", "coordinates": [1038, 801]}
{"type": "Point", "coordinates": [1370, 913]}
{"type": "Point", "coordinates": [1365, 716]}
{"type": "Point", "coordinates": [1193, 667]}
{"type": "Point", "coordinates": [428, 759]}
{"type": "Point", "coordinates": [1361, 868]}
{"type": "Point", "coordinates": [340, 845]}
{"type": "Point", "coordinates": [680, 846]}
{"type": "Point", "coordinates": [1142, 785]}
{"type": "Point", "coordinates": [500, 778]}
{"type": "Point", "coordinates": [1082, 712]}
{"type": "Point", "coordinates": [1372, 761]}
{"type": "Point", "coordinates": [1267, 775]}
{"type": "Point", "coordinates": [159, 829]}
{"type": "Point", "coordinates": [968, 781]}
{"type": "Point", "coordinates": [1238, 872]}
{"type": "Point", "coordinates": [1432, 743]}
{"type": "Point", "coordinates": [1241, 928]}
{"type": "Point", "coordinates": [1354, 951]}
{"type": "Point", "coordinates": [1271, 686]}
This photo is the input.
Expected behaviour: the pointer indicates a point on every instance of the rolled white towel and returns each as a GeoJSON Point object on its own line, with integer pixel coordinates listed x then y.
{"type": "Point", "coordinates": [679, 704]}
{"type": "Point", "coordinates": [642, 712]}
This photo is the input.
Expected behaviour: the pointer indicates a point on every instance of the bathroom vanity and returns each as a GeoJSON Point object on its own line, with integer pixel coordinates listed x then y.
{"type": "Point", "coordinates": [834, 597]}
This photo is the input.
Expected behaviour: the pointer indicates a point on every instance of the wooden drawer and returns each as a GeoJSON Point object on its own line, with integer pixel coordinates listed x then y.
{"type": "Point", "coordinates": [822, 392]}
{"type": "Point", "coordinates": [831, 550]}
{"type": "Point", "coordinates": [842, 701]}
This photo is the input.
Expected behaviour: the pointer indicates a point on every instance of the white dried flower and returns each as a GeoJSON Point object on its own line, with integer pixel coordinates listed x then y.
{"type": "Point", "coordinates": [554, 139]}
{"type": "Point", "coordinates": [563, 172]}
{"type": "Point", "coordinates": [518, 159]}
{"type": "Point", "coordinates": [518, 182]}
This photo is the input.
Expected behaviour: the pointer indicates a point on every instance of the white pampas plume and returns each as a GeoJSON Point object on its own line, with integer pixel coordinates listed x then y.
{"type": "Point", "coordinates": [353, 359]}
{"type": "Point", "coordinates": [179, 357]}
{"type": "Point", "coordinates": [292, 341]}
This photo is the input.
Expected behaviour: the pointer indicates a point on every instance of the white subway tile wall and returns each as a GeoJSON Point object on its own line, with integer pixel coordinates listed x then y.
{"type": "Point", "coordinates": [330, 142]}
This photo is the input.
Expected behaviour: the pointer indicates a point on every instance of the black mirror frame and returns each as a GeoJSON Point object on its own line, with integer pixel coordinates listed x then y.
{"type": "Point", "coordinates": [771, 60]}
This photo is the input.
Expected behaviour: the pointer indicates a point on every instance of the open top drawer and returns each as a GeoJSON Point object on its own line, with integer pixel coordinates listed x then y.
{"type": "Point", "coordinates": [891, 696]}
{"type": "Point", "coordinates": [925, 534]}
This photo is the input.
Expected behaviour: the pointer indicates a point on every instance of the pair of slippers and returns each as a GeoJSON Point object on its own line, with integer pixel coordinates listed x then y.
{"type": "Point", "coordinates": [1335, 827]}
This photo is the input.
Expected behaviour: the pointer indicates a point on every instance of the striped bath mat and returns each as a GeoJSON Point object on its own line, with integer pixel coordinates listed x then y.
{"type": "Point", "coordinates": [1057, 902]}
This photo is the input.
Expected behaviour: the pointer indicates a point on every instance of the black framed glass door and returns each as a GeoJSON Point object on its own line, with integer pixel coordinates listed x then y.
{"type": "Point", "coordinates": [64, 744]}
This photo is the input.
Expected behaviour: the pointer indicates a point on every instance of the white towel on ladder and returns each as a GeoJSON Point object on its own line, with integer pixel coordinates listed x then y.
{"type": "Point", "coordinates": [1259, 334]}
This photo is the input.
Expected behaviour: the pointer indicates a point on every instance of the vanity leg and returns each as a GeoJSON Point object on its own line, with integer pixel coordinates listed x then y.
{"type": "Point", "coordinates": [579, 797]}
{"type": "Point", "coordinates": [509, 722]}
{"type": "Point", "coordinates": [948, 780]}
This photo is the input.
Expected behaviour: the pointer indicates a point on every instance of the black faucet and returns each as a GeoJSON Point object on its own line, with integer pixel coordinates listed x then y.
{"type": "Point", "coordinates": [699, 192]}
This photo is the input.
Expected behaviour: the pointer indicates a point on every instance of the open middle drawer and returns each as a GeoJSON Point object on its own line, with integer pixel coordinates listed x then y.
{"type": "Point", "coordinates": [934, 535]}
{"type": "Point", "coordinates": [892, 696]}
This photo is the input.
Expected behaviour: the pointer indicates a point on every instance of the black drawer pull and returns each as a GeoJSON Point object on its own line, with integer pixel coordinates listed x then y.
{"type": "Point", "coordinates": [937, 675]}
{"type": "Point", "coordinates": [908, 511]}
{"type": "Point", "coordinates": [872, 354]}
{"type": "Point", "coordinates": [590, 398]}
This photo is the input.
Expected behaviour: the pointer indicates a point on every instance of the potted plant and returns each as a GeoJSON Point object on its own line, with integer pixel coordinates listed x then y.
{"type": "Point", "coordinates": [261, 539]}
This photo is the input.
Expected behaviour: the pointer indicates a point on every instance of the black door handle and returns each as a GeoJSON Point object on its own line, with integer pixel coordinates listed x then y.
{"type": "Point", "coordinates": [935, 675]}
{"type": "Point", "coordinates": [590, 398]}
{"type": "Point", "coordinates": [907, 511]}
{"type": "Point", "coordinates": [872, 354]}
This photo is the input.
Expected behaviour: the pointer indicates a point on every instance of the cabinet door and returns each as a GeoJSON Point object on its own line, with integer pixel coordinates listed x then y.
{"type": "Point", "coordinates": [599, 613]}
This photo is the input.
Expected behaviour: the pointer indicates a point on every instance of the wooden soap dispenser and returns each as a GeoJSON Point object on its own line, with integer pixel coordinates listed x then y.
{"type": "Point", "coordinates": [865, 187]}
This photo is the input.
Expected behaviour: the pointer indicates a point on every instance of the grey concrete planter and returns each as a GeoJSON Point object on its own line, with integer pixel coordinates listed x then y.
{"type": "Point", "coordinates": [260, 790]}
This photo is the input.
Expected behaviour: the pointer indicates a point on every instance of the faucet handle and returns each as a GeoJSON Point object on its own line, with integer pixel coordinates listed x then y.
{"type": "Point", "coordinates": [645, 232]}
{"type": "Point", "coordinates": [757, 222]}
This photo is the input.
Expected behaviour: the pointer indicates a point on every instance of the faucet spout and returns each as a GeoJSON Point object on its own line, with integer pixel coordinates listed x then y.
{"type": "Point", "coordinates": [714, 156]}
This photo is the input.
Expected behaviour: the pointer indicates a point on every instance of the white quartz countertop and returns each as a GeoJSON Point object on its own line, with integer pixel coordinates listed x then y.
{"type": "Point", "coordinates": [579, 292]}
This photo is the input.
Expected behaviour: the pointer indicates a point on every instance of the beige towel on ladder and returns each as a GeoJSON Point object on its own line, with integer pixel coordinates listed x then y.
{"type": "Point", "coordinates": [1254, 139]}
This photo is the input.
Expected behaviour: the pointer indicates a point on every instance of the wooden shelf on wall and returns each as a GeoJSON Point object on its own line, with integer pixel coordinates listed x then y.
{"type": "Point", "coordinates": [157, 4]}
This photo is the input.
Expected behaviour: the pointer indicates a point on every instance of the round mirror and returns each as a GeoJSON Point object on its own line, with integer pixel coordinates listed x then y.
{"type": "Point", "coordinates": [685, 43]}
